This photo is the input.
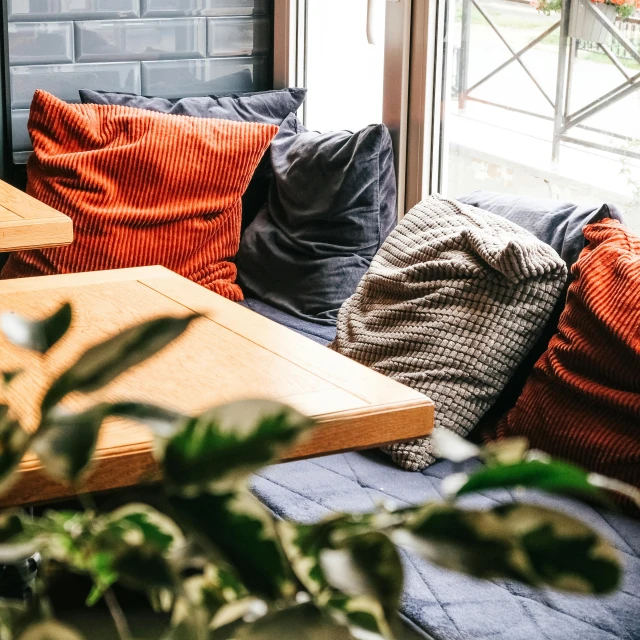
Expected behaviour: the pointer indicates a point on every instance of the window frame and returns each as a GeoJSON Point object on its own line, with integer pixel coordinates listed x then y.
{"type": "Point", "coordinates": [405, 81]}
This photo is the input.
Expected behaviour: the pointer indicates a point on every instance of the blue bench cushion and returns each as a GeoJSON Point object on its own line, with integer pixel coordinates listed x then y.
{"type": "Point", "coordinates": [321, 333]}
{"type": "Point", "coordinates": [446, 605]}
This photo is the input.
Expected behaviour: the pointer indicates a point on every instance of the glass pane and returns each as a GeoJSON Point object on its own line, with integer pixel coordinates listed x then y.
{"type": "Point", "coordinates": [503, 59]}
{"type": "Point", "coordinates": [344, 72]}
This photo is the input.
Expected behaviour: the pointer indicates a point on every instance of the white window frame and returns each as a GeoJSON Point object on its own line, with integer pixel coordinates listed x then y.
{"type": "Point", "coordinates": [412, 90]}
{"type": "Point", "coordinates": [427, 147]}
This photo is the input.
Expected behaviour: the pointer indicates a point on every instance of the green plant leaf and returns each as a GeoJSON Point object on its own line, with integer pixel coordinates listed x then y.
{"type": "Point", "coordinates": [50, 630]}
{"type": "Point", "coordinates": [15, 545]}
{"type": "Point", "coordinates": [164, 423]}
{"type": "Point", "coordinates": [240, 528]}
{"type": "Point", "coordinates": [532, 544]}
{"type": "Point", "coordinates": [355, 574]}
{"type": "Point", "coordinates": [104, 362]}
{"type": "Point", "coordinates": [134, 544]}
{"type": "Point", "coordinates": [16, 616]}
{"type": "Point", "coordinates": [14, 442]}
{"type": "Point", "coordinates": [304, 621]}
{"type": "Point", "coordinates": [65, 442]}
{"type": "Point", "coordinates": [37, 335]}
{"type": "Point", "coordinates": [223, 447]}
{"type": "Point", "coordinates": [451, 446]}
{"type": "Point", "coordinates": [509, 451]}
{"type": "Point", "coordinates": [8, 376]}
{"type": "Point", "coordinates": [365, 564]}
{"type": "Point", "coordinates": [217, 595]}
{"type": "Point", "coordinates": [551, 476]}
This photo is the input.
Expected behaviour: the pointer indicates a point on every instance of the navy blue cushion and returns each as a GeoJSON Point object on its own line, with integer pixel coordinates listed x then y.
{"type": "Point", "coordinates": [331, 205]}
{"type": "Point", "coordinates": [449, 605]}
{"type": "Point", "coordinates": [269, 107]}
{"type": "Point", "coordinates": [320, 333]}
{"type": "Point", "coordinates": [559, 224]}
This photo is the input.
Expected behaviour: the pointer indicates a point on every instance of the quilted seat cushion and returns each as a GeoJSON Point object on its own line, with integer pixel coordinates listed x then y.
{"type": "Point", "coordinates": [451, 304]}
{"type": "Point", "coordinates": [447, 605]}
{"type": "Point", "coordinates": [142, 188]}
{"type": "Point", "coordinates": [582, 400]}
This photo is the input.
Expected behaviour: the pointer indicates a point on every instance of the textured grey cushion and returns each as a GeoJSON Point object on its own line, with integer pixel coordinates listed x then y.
{"type": "Point", "coordinates": [269, 107]}
{"type": "Point", "coordinates": [451, 304]}
{"type": "Point", "coordinates": [331, 205]}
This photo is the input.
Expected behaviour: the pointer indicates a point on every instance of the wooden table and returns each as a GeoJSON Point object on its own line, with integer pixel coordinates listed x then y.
{"type": "Point", "coordinates": [231, 353]}
{"type": "Point", "coordinates": [27, 223]}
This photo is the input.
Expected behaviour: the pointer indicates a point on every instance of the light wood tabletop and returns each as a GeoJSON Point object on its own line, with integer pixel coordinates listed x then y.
{"type": "Point", "coordinates": [27, 223]}
{"type": "Point", "coordinates": [229, 354]}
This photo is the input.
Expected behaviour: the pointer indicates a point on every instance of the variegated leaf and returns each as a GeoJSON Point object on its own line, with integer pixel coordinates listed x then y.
{"type": "Point", "coordinates": [342, 566]}
{"type": "Point", "coordinates": [218, 451]}
{"type": "Point", "coordinates": [242, 530]}
{"type": "Point", "coordinates": [14, 442]}
{"type": "Point", "coordinates": [37, 335]}
{"type": "Point", "coordinates": [532, 544]}
{"type": "Point", "coordinates": [50, 630]}
{"type": "Point", "coordinates": [104, 362]}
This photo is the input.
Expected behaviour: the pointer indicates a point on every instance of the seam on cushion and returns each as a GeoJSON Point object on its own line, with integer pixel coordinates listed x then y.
{"type": "Point", "coordinates": [417, 629]}
{"type": "Point", "coordinates": [404, 501]}
{"type": "Point", "coordinates": [516, 598]}
{"type": "Point", "coordinates": [297, 493]}
{"type": "Point", "coordinates": [568, 615]}
{"type": "Point", "coordinates": [355, 475]}
{"type": "Point", "coordinates": [363, 486]}
{"type": "Point", "coordinates": [631, 551]}
{"type": "Point", "coordinates": [424, 582]}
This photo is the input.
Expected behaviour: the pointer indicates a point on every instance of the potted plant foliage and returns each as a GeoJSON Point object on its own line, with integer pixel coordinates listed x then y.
{"type": "Point", "coordinates": [583, 23]}
{"type": "Point", "coordinates": [213, 560]}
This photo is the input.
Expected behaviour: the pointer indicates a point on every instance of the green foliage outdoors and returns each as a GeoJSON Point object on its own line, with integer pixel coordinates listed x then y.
{"type": "Point", "coordinates": [214, 559]}
{"type": "Point", "coordinates": [624, 11]}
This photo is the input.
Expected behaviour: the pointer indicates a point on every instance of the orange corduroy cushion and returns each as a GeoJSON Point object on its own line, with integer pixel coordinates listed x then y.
{"type": "Point", "coordinates": [582, 401]}
{"type": "Point", "coordinates": [142, 188]}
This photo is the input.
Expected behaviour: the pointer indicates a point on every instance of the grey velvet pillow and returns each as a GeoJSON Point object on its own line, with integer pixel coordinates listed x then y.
{"type": "Point", "coordinates": [269, 107]}
{"type": "Point", "coordinates": [559, 224]}
{"type": "Point", "coordinates": [332, 203]}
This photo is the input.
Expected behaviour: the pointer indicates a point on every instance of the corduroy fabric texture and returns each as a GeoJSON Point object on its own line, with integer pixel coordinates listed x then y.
{"type": "Point", "coordinates": [142, 188]}
{"type": "Point", "coordinates": [582, 400]}
{"type": "Point", "coordinates": [451, 304]}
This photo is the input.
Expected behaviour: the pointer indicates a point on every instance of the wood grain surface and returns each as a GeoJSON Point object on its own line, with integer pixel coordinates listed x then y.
{"type": "Point", "coordinates": [27, 223]}
{"type": "Point", "coordinates": [229, 354]}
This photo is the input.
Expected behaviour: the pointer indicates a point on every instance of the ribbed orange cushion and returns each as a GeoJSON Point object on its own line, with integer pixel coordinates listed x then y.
{"type": "Point", "coordinates": [582, 401]}
{"type": "Point", "coordinates": [141, 188]}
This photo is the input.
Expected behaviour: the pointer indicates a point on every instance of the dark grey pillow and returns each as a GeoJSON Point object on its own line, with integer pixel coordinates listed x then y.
{"type": "Point", "coordinates": [269, 107]}
{"type": "Point", "coordinates": [332, 203]}
{"type": "Point", "coordinates": [558, 224]}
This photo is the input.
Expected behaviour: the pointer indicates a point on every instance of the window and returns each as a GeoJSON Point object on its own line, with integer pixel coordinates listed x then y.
{"type": "Point", "coordinates": [541, 105]}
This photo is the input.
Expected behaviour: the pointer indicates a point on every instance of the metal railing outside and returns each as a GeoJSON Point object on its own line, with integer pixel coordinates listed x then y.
{"type": "Point", "coordinates": [620, 39]}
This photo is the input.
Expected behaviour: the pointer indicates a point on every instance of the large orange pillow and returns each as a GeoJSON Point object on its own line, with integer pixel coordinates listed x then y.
{"type": "Point", "coordinates": [141, 188]}
{"type": "Point", "coordinates": [582, 401]}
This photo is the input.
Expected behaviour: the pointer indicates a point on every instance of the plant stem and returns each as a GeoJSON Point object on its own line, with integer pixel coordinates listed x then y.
{"type": "Point", "coordinates": [122, 626]}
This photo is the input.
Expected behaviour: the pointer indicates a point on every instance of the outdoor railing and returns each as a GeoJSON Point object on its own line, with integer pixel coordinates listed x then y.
{"type": "Point", "coordinates": [622, 41]}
